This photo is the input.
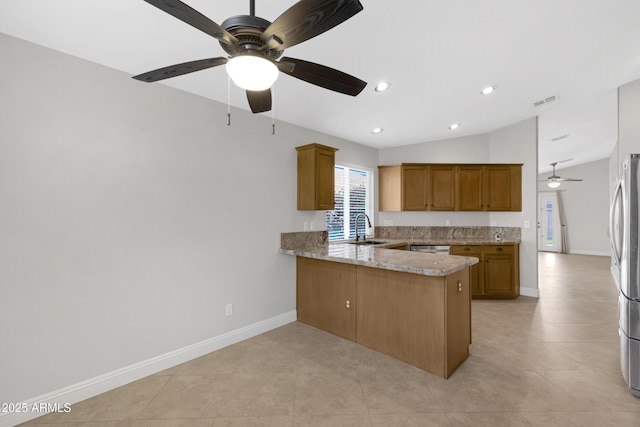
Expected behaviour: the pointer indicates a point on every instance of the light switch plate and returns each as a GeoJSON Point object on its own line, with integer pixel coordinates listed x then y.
{"type": "Point", "coordinates": [527, 224]}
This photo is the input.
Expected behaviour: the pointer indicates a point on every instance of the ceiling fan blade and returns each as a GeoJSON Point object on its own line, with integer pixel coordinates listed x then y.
{"type": "Point", "coordinates": [194, 18]}
{"type": "Point", "coordinates": [180, 69]}
{"type": "Point", "coordinates": [322, 76]}
{"type": "Point", "coordinates": [568, 179]}
{"type": "Point", "coordinates": [259, 100]}
{"type": "Point", "coordinates": [307, 19]}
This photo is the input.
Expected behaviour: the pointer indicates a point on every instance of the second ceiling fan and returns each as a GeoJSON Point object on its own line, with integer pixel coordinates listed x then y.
{"type": "Point", "coordinates": [554, 180]}
{"type": "Point", "coordinates": [255, 47]}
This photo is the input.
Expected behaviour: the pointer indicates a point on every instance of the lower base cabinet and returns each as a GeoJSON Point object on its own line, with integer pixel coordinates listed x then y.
{"type": "Point", "coordinates": [422, 320]}
{"type": "Point", "coordinates": [326, 296]}
{"type": "Point", "coordinates": [497, 275]}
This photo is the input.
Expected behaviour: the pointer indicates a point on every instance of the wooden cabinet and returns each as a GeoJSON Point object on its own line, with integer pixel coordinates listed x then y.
{"type": "Point", "coordinates": [441, 187]}
{"type": "Point", "coordinates": [414, 188]}
{"type": "Point", "coordinates": [390, 188]}
{"type": "Point", "coordinates": [469, 188]}
{"type": "Point", "coordinates": [503, 188]}
{"type": "Point", "coordinates": [316, 177]}
{"type": "Point", "coordinates": [450, 187]}
{"type": "Point", "coordinates": [326, 296]}
{"type": "Point", "coordinates": [497, 275]}
{"type": "Point", "coordinates": [422, 320]}
{"type": "Point", "coordinates": [476, 271]}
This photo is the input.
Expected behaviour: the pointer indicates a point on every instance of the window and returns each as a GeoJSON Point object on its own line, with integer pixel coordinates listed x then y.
{"type": "Point", "coordinates": [353, 196]}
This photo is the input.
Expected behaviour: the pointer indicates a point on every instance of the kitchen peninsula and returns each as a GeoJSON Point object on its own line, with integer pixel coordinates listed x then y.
{"type": "Point", "coordinates": [413, 306]}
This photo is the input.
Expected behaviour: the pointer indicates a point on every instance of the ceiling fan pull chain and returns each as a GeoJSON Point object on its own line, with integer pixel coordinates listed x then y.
{"type": "Point", "coordinates": [273, 110]}
{"type": "Point", "coordinates": [228, 101]}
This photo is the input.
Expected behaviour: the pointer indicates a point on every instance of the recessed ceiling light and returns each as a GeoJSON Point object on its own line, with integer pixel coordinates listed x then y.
{"type": "Point", "coordinates": [454, 126]}
{"type": "Point", "coordinates": [377, 130]}
{"type": "Point", "coordinates": [487, 90]}
{"type": "Point", "coordinates": [382, 86]}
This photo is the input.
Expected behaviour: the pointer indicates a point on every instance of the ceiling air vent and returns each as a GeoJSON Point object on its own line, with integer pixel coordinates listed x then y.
{"type": "Point", "coordinates": [558, 138]}
{"type": "Point", "coordinates": [545, 101]}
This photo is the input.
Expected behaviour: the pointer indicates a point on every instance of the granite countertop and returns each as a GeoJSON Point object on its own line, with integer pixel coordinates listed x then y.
{"type": "Point", "coordinates": [380, 256]}
{"type": "Point", "coordinates": [444, 242]}
{"type": "Point", "coordinates": [315, 244]}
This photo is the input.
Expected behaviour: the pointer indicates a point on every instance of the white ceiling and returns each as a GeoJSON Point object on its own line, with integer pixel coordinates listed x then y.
{"type": "Point", "coordinates": [437, 55]}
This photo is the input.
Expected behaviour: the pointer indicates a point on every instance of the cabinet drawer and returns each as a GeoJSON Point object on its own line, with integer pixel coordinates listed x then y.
{"type": "Point", "coordinates": [466, 250]}
{"type": "Point", "coordinates": [498, 249]}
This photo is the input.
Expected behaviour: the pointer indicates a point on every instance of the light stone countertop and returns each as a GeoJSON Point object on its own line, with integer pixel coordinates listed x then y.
{"type": "Point", "coordinates": [379, 256]}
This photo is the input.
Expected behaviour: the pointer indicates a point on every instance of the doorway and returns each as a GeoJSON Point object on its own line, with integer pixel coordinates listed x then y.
{"type": "Point", "coordinates": [549, 231]}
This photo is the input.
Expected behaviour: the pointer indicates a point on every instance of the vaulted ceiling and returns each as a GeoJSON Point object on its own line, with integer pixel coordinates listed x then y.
{"type": "Point", "coordinates": [437, 56]}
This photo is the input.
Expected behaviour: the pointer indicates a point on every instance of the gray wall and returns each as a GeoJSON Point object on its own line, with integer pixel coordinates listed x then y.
{"type": "Point", "coordinates": [131, 214]}
{"type": "Point", "coordinates": [586, 206]}
{"type": "Point", "coordinates": [518, 143]}
{"type": "Point", "coordinates": [628, 122]}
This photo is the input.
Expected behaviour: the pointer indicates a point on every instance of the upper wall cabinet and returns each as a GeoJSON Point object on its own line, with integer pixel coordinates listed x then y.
{"type": "Point", "coordinates": [316, 177]}
{"type": "Point", "coordinates": [450, 187]}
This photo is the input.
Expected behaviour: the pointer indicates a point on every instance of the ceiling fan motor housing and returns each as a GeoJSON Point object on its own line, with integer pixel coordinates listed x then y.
{"type": "Point", "coordinates": [248, 29]}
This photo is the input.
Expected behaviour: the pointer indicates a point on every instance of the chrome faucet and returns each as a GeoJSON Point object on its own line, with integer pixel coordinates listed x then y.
{"type": "Point", "coordinates": [364, 235]}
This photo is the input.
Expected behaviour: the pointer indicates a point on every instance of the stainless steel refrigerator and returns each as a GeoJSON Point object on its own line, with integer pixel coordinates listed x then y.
{"type": "Point", "coordinates": [625, 266]}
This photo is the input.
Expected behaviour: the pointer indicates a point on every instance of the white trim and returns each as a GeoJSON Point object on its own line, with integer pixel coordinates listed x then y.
{"type": "Point", "coordinates": [581, 252]}
{"type": "Point", "coordinates": [530, 292]}
{"type": "Point", "coordinates": [103, 383]}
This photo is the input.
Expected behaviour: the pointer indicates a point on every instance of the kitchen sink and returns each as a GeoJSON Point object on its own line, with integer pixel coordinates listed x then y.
{"type": "Point", "coordinates": [369, 242]}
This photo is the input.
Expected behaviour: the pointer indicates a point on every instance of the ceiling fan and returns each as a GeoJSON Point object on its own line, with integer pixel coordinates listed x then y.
{"type": "Point", "coordinates": [554, 180]}
{"type": "Point", "coordinates": [255, 47]}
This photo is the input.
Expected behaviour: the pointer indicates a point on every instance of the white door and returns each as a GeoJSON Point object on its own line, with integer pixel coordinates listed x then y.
{"type": "Point", "coordinates": [548, 222]}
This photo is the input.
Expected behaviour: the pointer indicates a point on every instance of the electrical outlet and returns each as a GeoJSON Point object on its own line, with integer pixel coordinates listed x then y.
{"type": "Point", "coordinates": [312, 226]}
{"type": "Point", "coordinates": [306, 226]}
{"type": "Point", "coordinates": [527, 224]}
{"type": "Point", "coordinates": [228, 309]}
{"type": "Point", "coordinates": [447, 222]}
{"type": "Point", "coordinates": [493, 223]}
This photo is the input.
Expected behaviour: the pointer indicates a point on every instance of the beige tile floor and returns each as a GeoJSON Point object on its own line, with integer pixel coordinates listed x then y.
{"type": "Point", "coordinates": [551, 361]}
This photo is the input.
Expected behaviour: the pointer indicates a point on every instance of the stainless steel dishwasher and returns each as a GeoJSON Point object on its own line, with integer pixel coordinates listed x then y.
{"type": "Point", "coordinates": [430, 249]}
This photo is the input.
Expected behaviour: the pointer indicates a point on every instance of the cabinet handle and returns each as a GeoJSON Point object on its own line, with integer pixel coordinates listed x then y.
{"type": "Point", "coordinates": [499, 249]}
{"type": "Point", "coordinates": [466, 249]}
{"type": "Point", "coordinates": [348, 304]}
{"type": "Point", "coordinates": [459, 286]}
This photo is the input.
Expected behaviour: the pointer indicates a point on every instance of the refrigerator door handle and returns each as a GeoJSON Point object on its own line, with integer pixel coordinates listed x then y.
{"type": "Point", "coordinates": [615, 234]}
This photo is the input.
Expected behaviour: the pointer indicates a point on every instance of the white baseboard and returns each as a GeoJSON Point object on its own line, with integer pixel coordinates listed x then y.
{"type": "Point", "coordinates": [581, 252]}
{"type": "Point", "coordinates": [103, 383]}
{"type": "Point", "coordinates": [530, 292]}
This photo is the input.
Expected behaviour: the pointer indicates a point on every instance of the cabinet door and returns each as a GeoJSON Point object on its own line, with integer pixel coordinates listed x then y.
{"type": "Point", "coordinates": [389, 188]}
{"type": "Point", "coordinates": [316, 177]}
{"type": "Point", "coordinates": [497, 188]}
{"type": "Point", "coordinates": [414, 188]}
{"type": "Point", "coordinates": [469, 188]}
{"type": "Point", "coordinates": [325, 182]}
{"type": "Point", "coordinates": [499, 275]}
{"type": "Point", "coordinates": [442, 188]}
{"type": "Point", "coordinates": [326, 296]}
{"type": "Point", "coordinates": [476, 271]}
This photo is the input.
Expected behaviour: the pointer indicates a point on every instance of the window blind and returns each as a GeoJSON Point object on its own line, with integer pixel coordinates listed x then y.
{"type": "Point", "coordinates": [353, 189]}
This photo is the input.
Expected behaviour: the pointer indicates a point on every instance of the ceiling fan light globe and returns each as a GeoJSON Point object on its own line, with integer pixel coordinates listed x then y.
{"type": "Point", "coordinates": [553, 184]}
{"type": "Point", "coordinates": [252, 72]}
